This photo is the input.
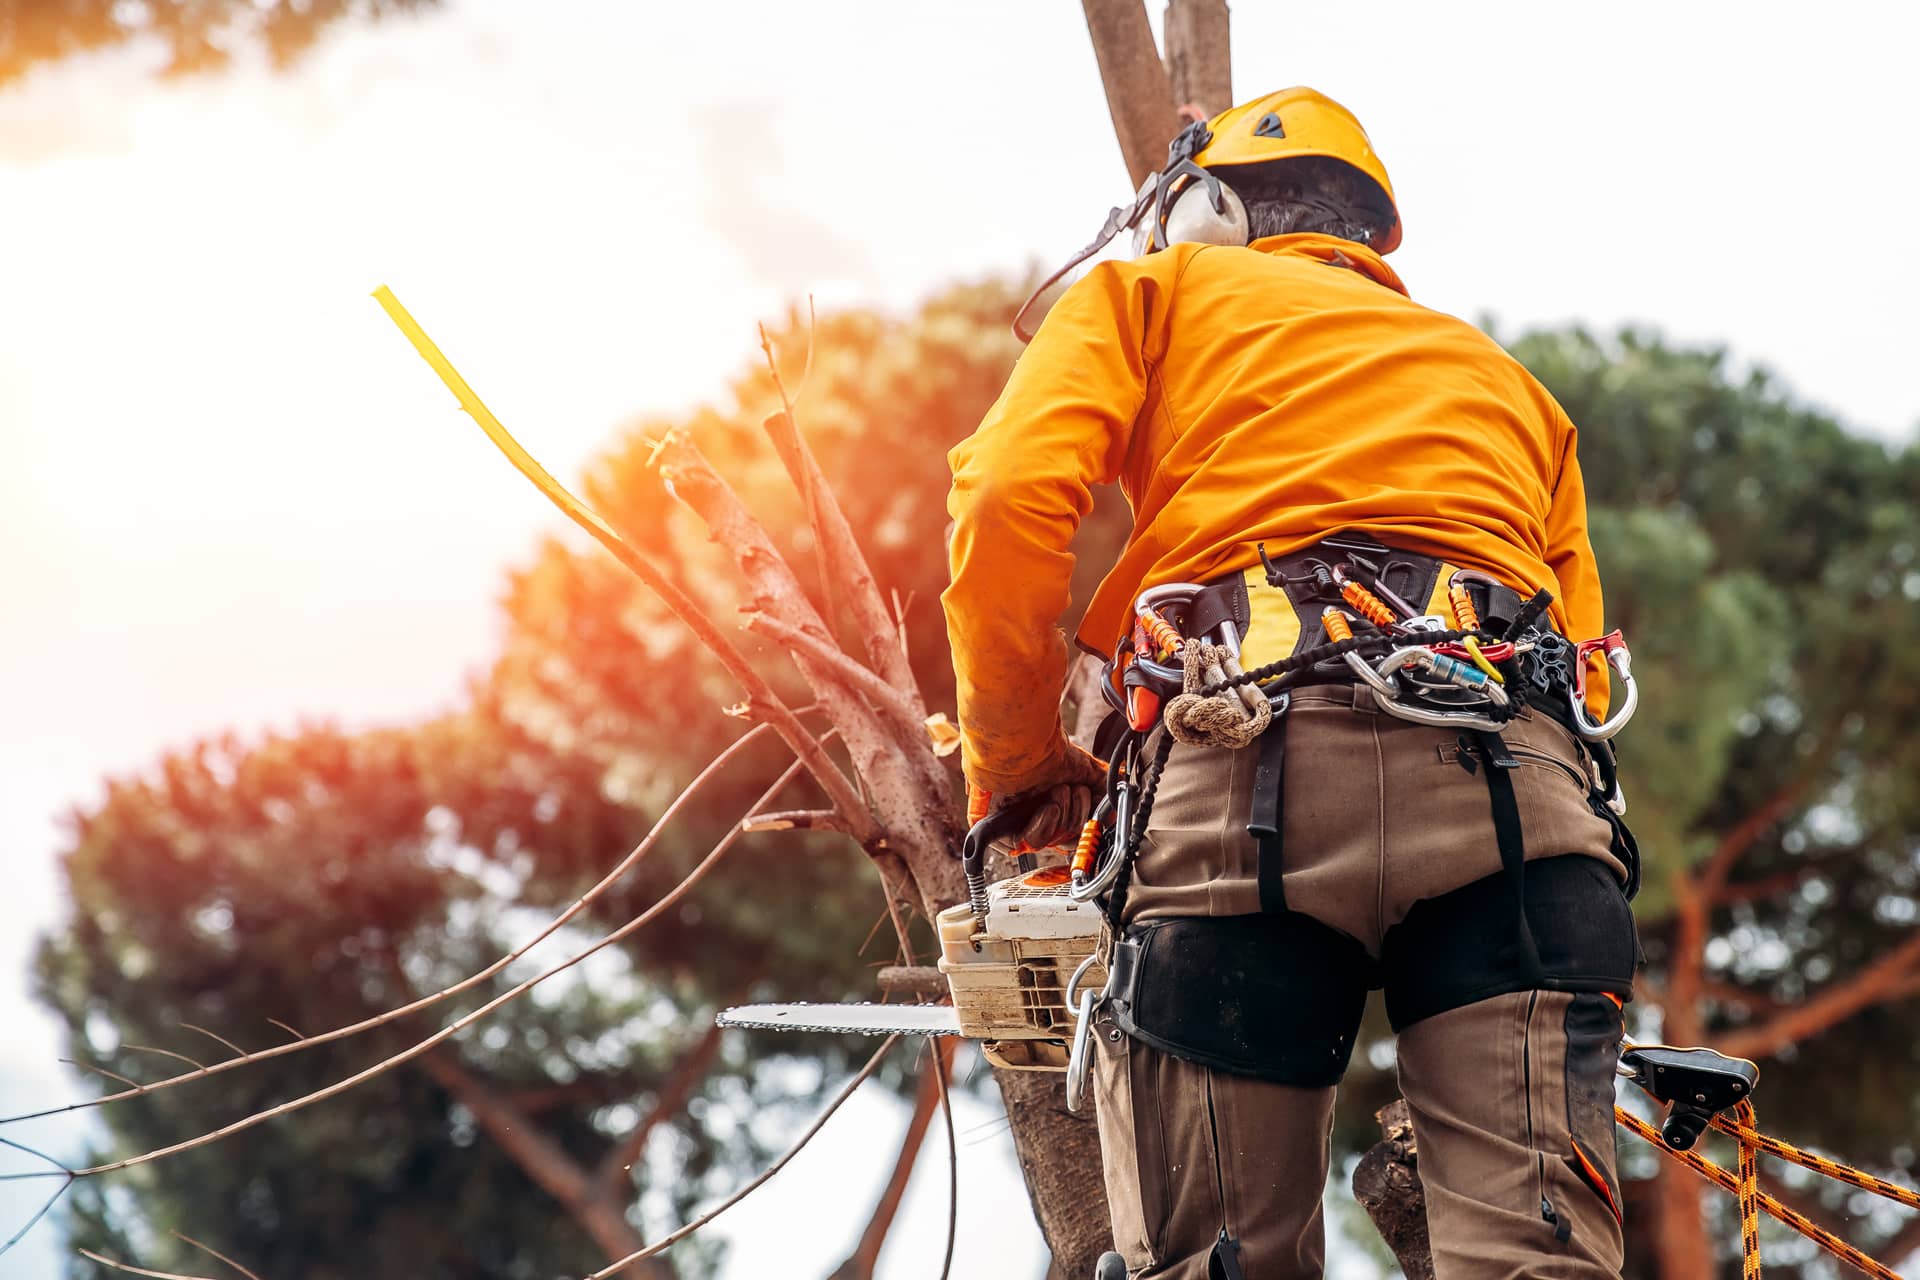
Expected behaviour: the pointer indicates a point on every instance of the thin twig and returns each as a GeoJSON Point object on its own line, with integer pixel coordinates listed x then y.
{"type": "Point", "coordinates": [420, 1047]}
{"type": "Point", "coordinates": [135, 1085]}
{"type": "Point", "coordinates": [132, 1270]}
{"type": "Point", "coordinates": [942, 1063]}
{"type": "Point", "coordinates": [639, 851]}
{"type": "Point", "coordinates": [846, 1091]}
{"type": "Point", "coordinates": [215, 1252]}
{"type": "Point", "coordinates": [189, 1026]}
{"type": "Point", "coordinates": [165, 1053]}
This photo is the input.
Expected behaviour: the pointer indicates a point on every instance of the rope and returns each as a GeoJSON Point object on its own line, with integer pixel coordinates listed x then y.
{"type": "Point", "coordinates": [1340, 648]}
{"type": "Point", "coordinates": [1746, 1186]}
{"type": "Point", "coordinates": [1741, 1130]}
{"type": "Point", "coordinates": [1232, 717]}
{"type": "Point", "coordinates": [1137, 825]}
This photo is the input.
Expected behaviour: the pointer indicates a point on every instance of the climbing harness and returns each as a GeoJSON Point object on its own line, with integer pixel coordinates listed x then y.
{"type": "Point", "coordinates": [1707, 1089]}
{"type": "Point", "coordinates": [1176, 676]}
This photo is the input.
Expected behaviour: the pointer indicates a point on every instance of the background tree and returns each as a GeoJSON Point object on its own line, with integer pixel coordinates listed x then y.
{"type": "Point", "coordinates": [1767, 625]}
{"type": "Point", "coordinates": [321, 879]}
{"type": "Point", "coordinates": [1762, 560]}
{"type": "Point", "coordinates": [197, 35]}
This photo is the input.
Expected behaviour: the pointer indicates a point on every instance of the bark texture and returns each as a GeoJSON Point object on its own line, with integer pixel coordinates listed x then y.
{"type": "Point", "coordinates": [1139, 93]}
{"type": "Point", "coordinates": [1199, 62]}
{"type": "Point", "coordinates": [1386, 1182]}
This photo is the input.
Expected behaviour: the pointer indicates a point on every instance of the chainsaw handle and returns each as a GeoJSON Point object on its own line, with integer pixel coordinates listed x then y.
{"type": "Point", "coordinates": [1009, 819]}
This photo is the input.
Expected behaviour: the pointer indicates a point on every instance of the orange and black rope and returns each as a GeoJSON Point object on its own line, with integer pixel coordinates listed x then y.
{"type": "Point", "coordinates": [1753, 1201]}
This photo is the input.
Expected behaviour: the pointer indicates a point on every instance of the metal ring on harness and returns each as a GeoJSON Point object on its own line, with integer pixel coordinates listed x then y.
{"type": "Point", "coordinates": [1082, 890]}
{"type": "Point", "coordinates": [1618, 657]}
{"type": "Point", "coordinates": [1082, 1010]}
{"type": "Point", "coordinates": [1388, 696]}
{"type": "Point", "coordinates": [1156, 598]}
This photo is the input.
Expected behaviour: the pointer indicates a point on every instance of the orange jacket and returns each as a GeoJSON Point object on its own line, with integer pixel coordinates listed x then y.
{"type": "Point", "coordinates": [1276, 393]}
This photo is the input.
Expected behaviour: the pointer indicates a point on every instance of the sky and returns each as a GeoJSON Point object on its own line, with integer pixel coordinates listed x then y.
{"type": "Point", "coordinates": [233, 497]}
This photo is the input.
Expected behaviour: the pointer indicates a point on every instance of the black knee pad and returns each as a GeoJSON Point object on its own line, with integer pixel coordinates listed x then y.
{"type": "Point", "coordinates": [1277, 997]}
{"type": "Point", "coordinates": [1464, 946]}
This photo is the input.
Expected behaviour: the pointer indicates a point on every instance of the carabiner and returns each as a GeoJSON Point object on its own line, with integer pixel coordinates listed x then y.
{"type": "Point", "coordinates": [1082, 1010]}
{"type": "Point", "coordinates": [1387, 695]}
{"type": "Point", "coordinates": [1615, 647]}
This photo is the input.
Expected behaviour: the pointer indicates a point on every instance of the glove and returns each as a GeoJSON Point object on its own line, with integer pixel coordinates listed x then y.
{"type": "Point", "coordinates": [1071, 787]}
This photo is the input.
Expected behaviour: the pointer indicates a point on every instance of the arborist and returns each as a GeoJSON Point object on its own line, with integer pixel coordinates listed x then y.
{"type": "Point", "coordinates": [1320, 469]}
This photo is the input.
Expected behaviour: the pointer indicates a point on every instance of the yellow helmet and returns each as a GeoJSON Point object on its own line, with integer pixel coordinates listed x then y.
{"type": "Point", "coordinates": [1287, 125]}
{"type": "Point", "coordinates": [1192, 198]}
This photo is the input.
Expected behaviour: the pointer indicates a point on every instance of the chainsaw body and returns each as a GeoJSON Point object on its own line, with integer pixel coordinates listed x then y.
{"type": "Point", "coordinates": [1009, 973]}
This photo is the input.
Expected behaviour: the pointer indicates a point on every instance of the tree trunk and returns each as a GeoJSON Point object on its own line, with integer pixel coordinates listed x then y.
{"type": "Point", "coordinates": [1680, 1234]}
{"type": "Point", "coordinates": [1139, 96]}
{"type": "Point", "coordinates": [859, 1265]}
{"type": "Point", "coordinates": [547, 1165]}
{"type": "Point", "coordinates": [1199, 64]}
{"type": "Point", "coordinates": [1060, 1158]}
{"type": "Point", "coordinates": [1386, 1182]}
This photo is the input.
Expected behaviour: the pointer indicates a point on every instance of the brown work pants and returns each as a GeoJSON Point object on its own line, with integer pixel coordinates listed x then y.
{"type": "Point", "coordinates": [1511, 1095]}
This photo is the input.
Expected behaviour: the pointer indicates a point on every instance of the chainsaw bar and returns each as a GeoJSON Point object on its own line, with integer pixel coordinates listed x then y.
{"type": "Point", "coordinates": [860, 1019]}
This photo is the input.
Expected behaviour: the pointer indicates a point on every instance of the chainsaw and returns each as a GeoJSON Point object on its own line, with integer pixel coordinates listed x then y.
{"type": "Point", "coordinates": [1020, 962]}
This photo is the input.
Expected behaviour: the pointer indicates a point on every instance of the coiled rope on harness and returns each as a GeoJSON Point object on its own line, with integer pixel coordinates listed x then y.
{"type": "Point", "coordinates": [1745, 1184]}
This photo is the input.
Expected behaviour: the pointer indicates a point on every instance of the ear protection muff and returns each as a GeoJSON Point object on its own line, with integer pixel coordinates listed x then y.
{"type": "Point", "coordinates": [1204, 212]}
{"type": "Point", "coordinates": [1180, 203]}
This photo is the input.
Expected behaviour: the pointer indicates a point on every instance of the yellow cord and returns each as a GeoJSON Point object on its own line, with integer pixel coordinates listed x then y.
{"type": "Point", "coordinates": [576, 510]}
{"type": "Point", "coordinates": [1480, 660]}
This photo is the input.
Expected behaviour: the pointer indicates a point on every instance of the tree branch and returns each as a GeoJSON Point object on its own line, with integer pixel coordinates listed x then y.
{"type": "Point", "coordinates": [1773, 885]}
{"type": "Point", "coordinates": [839, 549]}
{"type": "Point", "coordinates": [846, 1091]}
{"type": "Point", "coordinates": [1834, 1004]}
{"type": "Point", "coordinates": [905, 771]}
{"type": "Point", "coordinates": [1714, 871]}
{"type": "Point", "coordinates": [775, 712]}
{"type": "Point", "coordinates": [859, 1265]}
{"type": "Point", "coordinates": [610, 1179]}
{"type": "Point", "coordinates": [1139, 95]}
{"type": "Point", "coordinates": [542, 1159]}
{"type": "Point", "coordinates": [459, 1024]}
{"type": "Point", "coordinates": [923, 980]}
{"type": "Point", "coordinates": [580, 904]}
{"type": "Point", "coordinates": [1733, 993]}
{"type": "Point", "coordinates": [906, 711]}
{"type": "Point", "coordinates": [795, 820]}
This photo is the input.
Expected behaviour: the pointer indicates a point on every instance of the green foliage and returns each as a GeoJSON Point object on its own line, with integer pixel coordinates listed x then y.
{"type": "Point", "coordinates": [1766, 566]}
{"type": "Point", "coordinates": [198, 35]}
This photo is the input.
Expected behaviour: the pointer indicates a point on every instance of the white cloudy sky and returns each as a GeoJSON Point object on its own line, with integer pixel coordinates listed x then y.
{"type": "Point", "coordinates": [232, 496]}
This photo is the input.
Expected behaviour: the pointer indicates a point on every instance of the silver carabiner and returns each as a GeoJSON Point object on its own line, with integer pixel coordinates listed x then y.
{"type": "Point", "coordinates": [1079, 1056]}
{"type": "Point", "coordinates": [1387, 694]}
{"type": "Point", "coordinates": [1621, 660]}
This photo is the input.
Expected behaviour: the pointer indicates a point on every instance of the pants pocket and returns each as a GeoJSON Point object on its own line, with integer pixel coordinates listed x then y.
{"type": "Point", "coordinates": [1131, 1151]}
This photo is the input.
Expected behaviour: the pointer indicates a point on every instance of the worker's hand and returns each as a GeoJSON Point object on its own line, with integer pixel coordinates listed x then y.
{"type": "Point", "coordinates": [1068, 792]}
